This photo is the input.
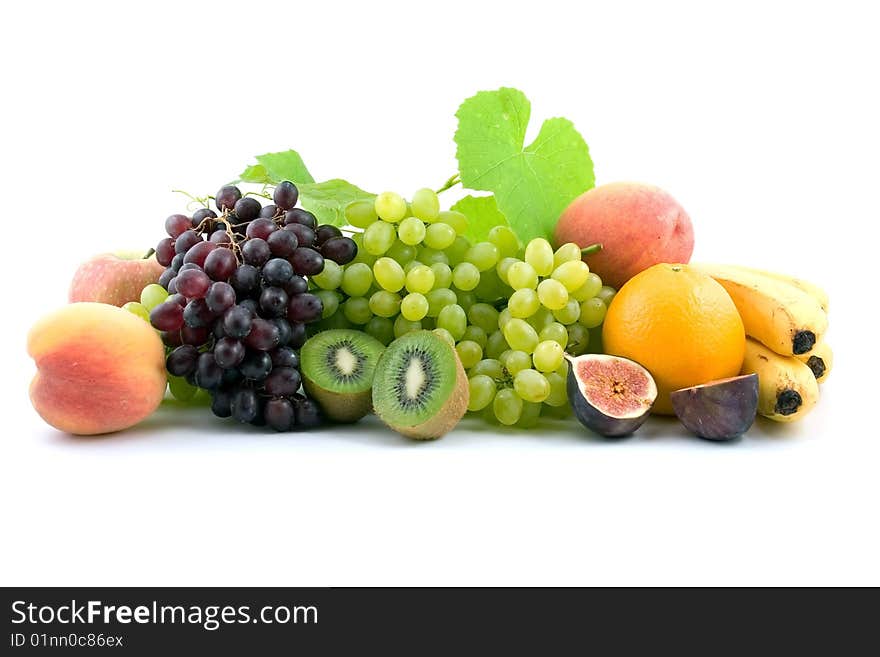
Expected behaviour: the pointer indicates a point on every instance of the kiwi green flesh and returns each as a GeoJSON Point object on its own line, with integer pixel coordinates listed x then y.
{"type": "Point", "coordinates": [415, 376]}
{"type": "Point", "coordinates": [340, 360]}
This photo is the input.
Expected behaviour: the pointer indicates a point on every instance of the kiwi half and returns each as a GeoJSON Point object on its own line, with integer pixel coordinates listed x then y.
{"type": "Point", "coordinates": [337, 368]}
{"type": "Point", "coordinates": [420, 389]}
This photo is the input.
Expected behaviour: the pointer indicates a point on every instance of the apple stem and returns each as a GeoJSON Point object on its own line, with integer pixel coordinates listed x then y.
{"type": "Point", "coordinates": [590, 250]}
{"type": "Point", "coordinates": [149, 253]}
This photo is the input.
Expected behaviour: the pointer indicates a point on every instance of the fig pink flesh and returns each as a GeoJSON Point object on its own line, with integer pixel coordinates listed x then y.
{"type": "Point", "coordinates": [613, 389]}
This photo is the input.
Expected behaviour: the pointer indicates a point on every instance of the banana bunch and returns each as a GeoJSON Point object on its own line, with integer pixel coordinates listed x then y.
{"type": "Point", "coordinates": [785, 320]}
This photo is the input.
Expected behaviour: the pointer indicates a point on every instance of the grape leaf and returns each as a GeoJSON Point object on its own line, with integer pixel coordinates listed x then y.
{"type": "Point", "coordinates": [483, 215]}
{"type": "Point", "coordinates": [256, 173]}
{"type": "Point", "coordinates": [327, 200]}
{"type": "Point", "coordinates": [275, 167]}
{"type": "Point", "coordinates": [532, 184]}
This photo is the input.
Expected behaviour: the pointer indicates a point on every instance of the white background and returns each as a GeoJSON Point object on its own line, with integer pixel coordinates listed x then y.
{"type": "Point", "coordinates": [761, 118]}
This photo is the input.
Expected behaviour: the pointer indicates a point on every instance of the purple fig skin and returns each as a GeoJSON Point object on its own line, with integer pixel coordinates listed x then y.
{"type": "Point", "coordinates": [719, 410]}
{"type": "Point", "coordinates": [594, 419]}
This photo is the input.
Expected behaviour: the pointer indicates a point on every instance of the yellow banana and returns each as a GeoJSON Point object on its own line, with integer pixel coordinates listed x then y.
{"type": "Point", "coordinates": [787, 389]}
{"type": "Point", "coordinates": [820, 361]}
{"type": "Point", "coordinates": [820, 295]}
{"type": "Point", "coordinates": [784, 318]}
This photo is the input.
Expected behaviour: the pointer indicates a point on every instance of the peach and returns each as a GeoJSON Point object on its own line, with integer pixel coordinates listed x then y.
{"type": "Point", "coordinates": [99, 368]}
{"type": "Point", "coordinates": [638, 226]}
{"type": "Point", "coordinates": [114, 278]}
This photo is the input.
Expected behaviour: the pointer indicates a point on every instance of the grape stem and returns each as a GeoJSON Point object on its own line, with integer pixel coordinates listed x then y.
{"type": "Point", "coordinates": [452, 181]}
{"type": "Point", "coordinates": [590, 250]}
{"type": "Point", "coordinates": [199, 200]}
{"type": "Point", "coordinates": [148, 254]}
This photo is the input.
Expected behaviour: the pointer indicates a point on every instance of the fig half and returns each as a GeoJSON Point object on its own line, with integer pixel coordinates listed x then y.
{"type": "Point", "coordinates": [718, 410]}
{"type": "Point", "coordinates": [609, 394]}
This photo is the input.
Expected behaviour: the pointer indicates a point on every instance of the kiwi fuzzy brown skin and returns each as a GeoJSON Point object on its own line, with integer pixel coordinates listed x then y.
{"type": "Point", "coordinates": [340, 407]}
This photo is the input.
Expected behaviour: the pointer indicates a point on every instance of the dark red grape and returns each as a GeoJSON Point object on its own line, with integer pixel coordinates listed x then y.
{"type": "Point", "coordinates": [296, 285]}
{"type": "Point", "coordinates": [269, 211]}
{"type": "Point", "coordinates": [177, 224]}
{"type": "Point", "coordinates": [284, 330]}
{"type": "Point", "coordinates": [178, 299]}
{"type": "Point", "coordinates": [187, 266]}
{"type": "Point", "coordinates": [325, 232]}
{"type": "Point", "coordinates": [282, 382]}
{"type": "Point", "coordinates": [256, 252]}
{"type": "Point", "coordinates": [187, 240]}
{"type": "Point", "coordinates": [165, 251]}
{"type": "Point", "coordinates": [305, 236]}
{"type": "Point", "coordinates": [282, 243]}
{"type": "Point", "coordinates": [340, 250]}
{"type": "Point", "coordinates": [284, 357]}
{"type": "Point", "coordinates": [227, 197]}
{"type": "Point", "coordinates": [247, 208]}
{"type": "Point", "coordinates": [220, 237]}
{"type": "Point", "coordinates": [306, 262]}
{"type": "Point", "coordinates": [228, 352]}
{"type": "Point", "coordinates": [245, 280]}
{"type": "Point", "coordinates": [193, 283]}
{"type": "Point", "coordinates": [285, 195]}
{"type": "Point", "coordinates": [220, 297]}
{"type": "Point", "coordinates": [165, 277]}
{"type": "Point", "coordinates": [261, 228]}
{"type": "Point", "coordinates": [198, 253]}
{"type": "Point", "coordinates": [301, 217]}
{"type": "Point", "coordinates": [197, 314]}
{"type": "Point", "coordinates": [279, 414]}
{"type": "Point", "coordinates": [221, 403]}
{"type": "Point", "coordinates": [208, 373]}
{"type": "Point", "coordinates": [305, 308]}
{"type": "Point", "coordinates": [273, 301]}
{"type": "Point", "coordinates": [245, 405]}
{"type": "Point", "coordinates": [172, 286]}
{"type": "Point", "coordinates": [201, 214]}
{"type": "Point", "coordinates": [231, 376]}
{"type": "Point", "coordinates": [220, 263]}
{"type": "Point", "coordinates": [256, 365]}
{"type": "Point", "coordinates": [237, 322]}
{"type": "Point", "coordinates": [167, 316]}
{"type": "Point", "coordinates": [182, 361]}
{"type": "Point", "coordinates": [263, 336]}
{"type": "Point", "coordinates": [171, 338]}
{"type": "Point", "coordinates": [252, 306]}
{"type": "Point", "coordinates": [297, 334]}
{"type": "Point", "coordinates": [177, 262]}
{"type": "Point", "coordinates": [277, 271]}
{"type": "Point", "coordinates": [307, 413]}
{"type": "Point", "coordinates": [194, 336]}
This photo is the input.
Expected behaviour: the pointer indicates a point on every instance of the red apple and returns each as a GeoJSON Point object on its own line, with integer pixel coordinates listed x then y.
{"type": "Point", "coordinates": [114, 278]}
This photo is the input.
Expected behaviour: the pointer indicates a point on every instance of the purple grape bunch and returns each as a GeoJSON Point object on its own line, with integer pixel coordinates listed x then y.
{"type": "Point", "coordinates": [239, 302]}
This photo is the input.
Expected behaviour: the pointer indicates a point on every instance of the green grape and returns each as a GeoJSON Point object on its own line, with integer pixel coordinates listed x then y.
{"type": "Point", "coordinates": [572, 274]}
{"type": "Point", "coordinates": [442, 275]}
{"type": "Point", "coordinates": [411, 265]}
{"type": "Point", "coordinates": [558, 390]}
{"type": "Point", "coordinates": [414, 306]}
{"type": "Point", "coordinates": [362, 255]}
{"type": "Point", "coordinates": [180, 389]}
{"type": "Point", "coordinates": [489, 288]}
{"type": "Point", "coordinates": [539, 254]}
{"type": "Point", "coordinates": [504, 317]}
{"type": "Point", "coordinates": [506, 241]}
{"type": "Point", "coordinates": [483, 254]}
{"type": "Point", "coordinates": [530, 415]}
{"type": "Point", "coordinates": [425, 204]}
{"type": "Point", "coordinates": [523, 303]}
{"type": "Point", "coordinates": [402, 326]}
{"type": "Point", "coordinates": [465, 276]}
{"type": "Point", "coordinates": [515, 361]}
{"type": "Point", "coordinates": [503, 267]}
{"type": "Point", "coordinates": [380, 328]}
{"type": "Point", "coordinates": [589, 289]}
{"type": "Point", "coordinates": [389, 274]}
{"type": "Point", "coordinates": [152, 295]}
{"type": "Point", "coordinates": [552, 294]}
{"type": "Point", "coordinates": [457, 220]}
{"type": "Point", "coordinates": [411, 231]}
{"type": "Point", "coordinates": [331, 300]}
{"type": "Point", "coordinates": [137, 309]}
{"type": "Point", "coordinates": [357, 310]}
{"type": "Point", "coordinates": [556, 332]}
{"type": "Point", "coordinates": [507, 406]}
{"type": "Point", "coordinates": [439, 299]}
{"type": "Point", "coordinates": [496, 344]}
{"type": "Point", "coordinates": [330, 277]}
{"type": "Point", "coordinates": [420, 279]}
{"type": "Point", "coordinates": [402, 253]}
{"type": "Point", "coordinates": [531, 385]}
{"type": "Point", "coordinates": [432, 256]}
{"type": "Point", "coordinates": [384, 303]}
{"type": "Point", "coordinates": [522, 275]}
{"type": "Point", "coordinates": [568, 314]}
{"type": "Point", "coordinates": [542, 318]}
{"type": "Point", "coordinates": [453, 319]}
{"type": "Point", "coordinates": [578, 339]}
{"type": "Point", "coordinates": [481, 389]}
{"type": "Point", "coordinates": [378, 237]}
{"type": "Point", "coordinates": [390, 207]}
{"type": "Point", "coordinates": [465, 299]}
{"type": "Point", "coordinates": [458, 250]}
{"type": "Point", "coordinates": [563, 369]}
{"type": "Point", "coordinates": [607, 293]}
{"type": "Point", "coordinates": [484, 316]}
{"type": "Point", "coordinates": [446, 335]}
{"type": "Point", "coordinates": [439, 236]}
{"type": "Point", "coordinates": [548, 356]}
{"type": "Point", "coordinates": [491, 367]}
{"type": "Point", "coordinates": [568, 252]}
{"type": "Point", "coordinates": [593, 312]}
{"type": "Point", "coordinates": [475, 334]}
{"type": "Point", "coordinates": [469, 353]}
{"type": "Point", "coordinates": [361, 213]}
{"type": "Point", "coordinates": [357, 279]}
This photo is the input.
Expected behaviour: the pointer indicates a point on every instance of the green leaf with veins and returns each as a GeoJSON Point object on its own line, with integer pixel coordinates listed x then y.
{"type": "Point", "coordinates": [275, 167]}
{"type": "Point", "coordinates": [483, 215]}
{"type": "Point", "coordinates": [327, 200]}
{"type": "Point", "coordinates": [256, 173]}
{"type": "Point", "coordinates": [532, 184]}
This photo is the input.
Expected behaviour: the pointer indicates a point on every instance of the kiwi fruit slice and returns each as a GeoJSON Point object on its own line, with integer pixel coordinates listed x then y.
{"type": "Point", "coordinates": [337, 368]}
{"type": "Point", "coordinates": [420, 389]}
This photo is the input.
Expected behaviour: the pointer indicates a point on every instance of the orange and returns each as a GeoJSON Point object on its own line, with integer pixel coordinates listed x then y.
{"type": "Point", "coordinates": [679, 324]}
